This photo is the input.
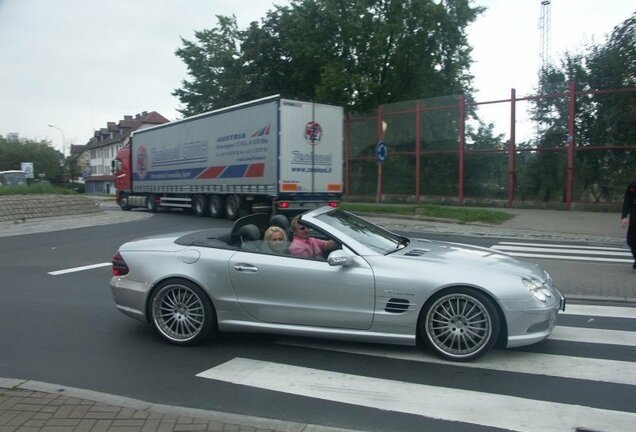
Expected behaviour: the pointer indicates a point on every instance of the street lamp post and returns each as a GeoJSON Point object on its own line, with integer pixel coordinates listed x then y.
{"type": "Point", "coordinates": [63, 140]}
{"type": "Point", "coordinates": [63, 151]}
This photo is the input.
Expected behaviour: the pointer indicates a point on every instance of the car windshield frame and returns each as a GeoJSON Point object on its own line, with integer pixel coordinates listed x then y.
{"type": "Point", "coordinates": [373, 237]}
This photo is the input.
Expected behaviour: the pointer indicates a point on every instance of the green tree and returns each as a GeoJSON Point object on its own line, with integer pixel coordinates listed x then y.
{"type": "Point", "coordinates": [355, 53]}
{"type": "Point", "coordinates": [46, 160]}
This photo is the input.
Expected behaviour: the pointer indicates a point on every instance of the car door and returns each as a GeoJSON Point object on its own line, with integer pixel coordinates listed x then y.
{"type": "Point", "coordinates": [284, 289]}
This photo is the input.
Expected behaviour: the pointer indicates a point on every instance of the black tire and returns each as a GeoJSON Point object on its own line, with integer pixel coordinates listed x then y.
{"type": "Point", "coordinates": [460, 324]}
{"type": "Point", "coordinates": [217, 206]}
{"type": "Point", "coordinates": [200, 205]}
{"type": "Point", "coordinates": [182, 313]}
{"type": "Point", "coordinates": [123, 203]}
{"type": "Point", "coordinates": [232, 207]}
{"type": "Point", "coordinates": [151, 203]}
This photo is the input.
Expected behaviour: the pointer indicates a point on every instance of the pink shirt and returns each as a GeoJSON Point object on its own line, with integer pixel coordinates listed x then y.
{"type": "Point", "coordinates": [309, 247]}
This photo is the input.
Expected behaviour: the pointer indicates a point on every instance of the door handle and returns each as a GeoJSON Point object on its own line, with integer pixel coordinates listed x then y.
{"type": "Point", "coordinates": [245, 268]}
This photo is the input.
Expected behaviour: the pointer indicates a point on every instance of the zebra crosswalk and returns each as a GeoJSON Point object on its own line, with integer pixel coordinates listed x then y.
{"type": "Point", "coordinates": [570, 252]}
{"type": "Point", "coordinates": [525, 390]}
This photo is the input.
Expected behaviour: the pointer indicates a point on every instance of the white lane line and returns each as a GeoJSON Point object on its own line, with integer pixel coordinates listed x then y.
{"type": "Point", "coordinates": [590, 369]}
{"type": "Point", "coordinates": [546, 245]}
{"type": "Point", "coordinates": [594, 336]}
{"type": "Point", "coordinates": [604, 311]}
{"type": "Point", "coordinates": [424, 400]}
{"type": "Point", "coordinates": [78, 269]}
{"type": "Point", "coordinates": [559, 250]}
{"type": "Point", "coordinates": [568, 257]}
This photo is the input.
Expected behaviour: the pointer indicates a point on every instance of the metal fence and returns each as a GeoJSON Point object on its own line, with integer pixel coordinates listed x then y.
{"type": "Point", "coordinates": [436, 152]}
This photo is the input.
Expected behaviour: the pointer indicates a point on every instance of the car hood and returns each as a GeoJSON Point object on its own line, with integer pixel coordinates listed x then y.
{"type": "Point", "coordinates": [462, 255]}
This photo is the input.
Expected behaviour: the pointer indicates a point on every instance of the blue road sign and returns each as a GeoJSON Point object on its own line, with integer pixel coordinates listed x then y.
{"type": "Point", "coordinates": [382, 151]}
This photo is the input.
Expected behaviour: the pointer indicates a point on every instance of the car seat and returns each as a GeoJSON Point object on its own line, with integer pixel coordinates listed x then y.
{"type": "Point", "coordinates": [281, 221]}
{"type": "Point", "coordinates": [250, 237]}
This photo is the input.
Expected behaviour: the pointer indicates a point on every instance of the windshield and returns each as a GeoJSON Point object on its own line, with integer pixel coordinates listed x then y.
{"type": "Point", "coordinates": [364, 232]}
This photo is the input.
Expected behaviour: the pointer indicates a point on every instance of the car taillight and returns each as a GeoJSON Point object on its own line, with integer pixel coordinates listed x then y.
{"type": "Point", "coordinates": [334, 204]}
{"type": "Point", "coordinates": [120, 267]}
{"type": "Point", "coordinates": [282, 204]}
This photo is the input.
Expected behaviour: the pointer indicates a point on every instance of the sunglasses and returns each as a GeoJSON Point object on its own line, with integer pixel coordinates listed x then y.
{"type": "Point", "coordinates": [302, 228]}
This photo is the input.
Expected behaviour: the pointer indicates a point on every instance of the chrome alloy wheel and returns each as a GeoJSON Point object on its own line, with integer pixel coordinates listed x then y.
{"type": "Point", "coordinates": [461, 325]}
{"type": "Point", "coordinates": [179, 313]}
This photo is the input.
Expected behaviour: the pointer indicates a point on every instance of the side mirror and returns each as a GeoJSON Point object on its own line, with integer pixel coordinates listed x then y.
{"type": "Point", "coordinates": [339, 258]}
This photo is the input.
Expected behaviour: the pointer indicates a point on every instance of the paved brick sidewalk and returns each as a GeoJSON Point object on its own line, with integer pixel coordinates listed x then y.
{"type": "Point", "coordinates": [29, 406]}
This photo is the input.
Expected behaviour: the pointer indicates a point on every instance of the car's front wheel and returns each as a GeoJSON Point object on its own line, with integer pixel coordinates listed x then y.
{"type": "Point", "coordinates": [460, 324]}
{"type": "Point", "coordinates": [182, 313]}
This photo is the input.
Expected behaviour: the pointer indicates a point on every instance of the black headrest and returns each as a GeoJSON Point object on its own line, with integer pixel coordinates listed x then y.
{"type": "Point", "coordinates": [279, 220]}
{"type": "Point", "coordinates": [249, 232]}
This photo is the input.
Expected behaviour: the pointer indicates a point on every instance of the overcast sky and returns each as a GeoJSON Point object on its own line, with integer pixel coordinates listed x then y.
{"type": "Point", "coordinates": [78, 64]}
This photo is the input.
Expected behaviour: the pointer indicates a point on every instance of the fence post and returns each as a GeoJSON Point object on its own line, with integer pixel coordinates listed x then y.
{"type": "Point", "coordinates": [347, 167]}
{"type": "Point", "coordinates": [462, 142]}
{"type": "Point", "coordinates": [378, 197]}
{"type": "Point", "coordinates": [512, 149]}
{"type": "Point", "coordinates": [571, 146]}
{"type": "Point", "coordinates": [418, 139]}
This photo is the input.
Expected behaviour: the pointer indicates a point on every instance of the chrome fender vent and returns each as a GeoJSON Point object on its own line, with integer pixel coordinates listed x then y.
{"type": "Point", "coordinates": [397, 305]}
{"type": "Point", "coordinates": [417, 252]}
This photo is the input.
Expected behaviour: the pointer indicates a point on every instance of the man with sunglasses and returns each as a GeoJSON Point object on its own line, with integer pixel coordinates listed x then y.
{"type": "Point", "coordinates": [303, 245]}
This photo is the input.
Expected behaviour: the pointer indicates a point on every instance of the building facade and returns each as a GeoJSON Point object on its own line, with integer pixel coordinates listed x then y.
{"type": "Point", "coordinates": [103, 146]}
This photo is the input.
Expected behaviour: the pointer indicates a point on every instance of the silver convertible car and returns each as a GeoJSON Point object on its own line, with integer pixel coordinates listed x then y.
{"type": "Point", "coordinates": [376, 286]}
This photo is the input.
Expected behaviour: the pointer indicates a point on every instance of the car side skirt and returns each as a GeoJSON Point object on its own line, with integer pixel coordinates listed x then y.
{"type": "Point", "coordinates": [318, 332]}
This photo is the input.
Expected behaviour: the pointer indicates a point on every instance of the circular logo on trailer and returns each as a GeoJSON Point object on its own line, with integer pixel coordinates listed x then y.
{"type": "Point", "coordinates": [142, 162]}
{"type": "Point", "coordinates": [313, 133]}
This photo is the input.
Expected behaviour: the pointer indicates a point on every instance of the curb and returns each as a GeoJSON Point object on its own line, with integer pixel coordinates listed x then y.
{"type": "Point", "coordinates": [177, 411]}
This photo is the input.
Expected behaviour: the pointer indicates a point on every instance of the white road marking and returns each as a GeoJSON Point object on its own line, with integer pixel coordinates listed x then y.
{"type": "Point", "coordinates": [424, 400]}
{"type": "Point", "coordinates": [605, 311]}
{"type": "Point", "coordinates": [560, 250]}
{"type": "Point", "coordinates": [78, 269]}
{"type": "Point", "coordinates": [614, 371]}
{"type": "Point", "coordinates": [546, 245]}
{"type": "Point", "coordinates": [594, 336]}
{"type": "Point", "coordinates": [573, 252]}
{"type": "Point", "coordinates": [567, 257]}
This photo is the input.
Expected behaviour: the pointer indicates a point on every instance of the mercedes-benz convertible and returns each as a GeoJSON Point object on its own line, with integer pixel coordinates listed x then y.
{"type": "Point", "coordinates": [376, 286]}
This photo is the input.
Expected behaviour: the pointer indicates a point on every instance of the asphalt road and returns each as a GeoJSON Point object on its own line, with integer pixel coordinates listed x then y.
{"type": "Point", "coordinates": [65, 329]}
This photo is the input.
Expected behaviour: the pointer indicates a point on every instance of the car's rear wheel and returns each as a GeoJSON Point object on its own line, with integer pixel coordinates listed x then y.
{"type": "Point", "coordinates": [460, 324]}
{"type": "Point", "coordinates": [182, 313]}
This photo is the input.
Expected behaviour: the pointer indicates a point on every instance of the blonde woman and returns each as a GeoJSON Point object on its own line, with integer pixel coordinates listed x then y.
{"type": "Point", "coordinates": [275, 240]}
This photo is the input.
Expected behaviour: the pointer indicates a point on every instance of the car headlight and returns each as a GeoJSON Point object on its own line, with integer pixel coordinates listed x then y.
{"type": "Point", "coordinates": [537, 289]}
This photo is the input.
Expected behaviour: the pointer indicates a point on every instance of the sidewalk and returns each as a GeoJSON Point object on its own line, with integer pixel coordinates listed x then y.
{"type": "Point", "coordinates": [31, 406]}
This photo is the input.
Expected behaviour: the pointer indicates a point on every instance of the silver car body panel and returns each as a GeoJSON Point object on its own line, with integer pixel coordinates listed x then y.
{"type": "Point", "coordinates": [375, 297]}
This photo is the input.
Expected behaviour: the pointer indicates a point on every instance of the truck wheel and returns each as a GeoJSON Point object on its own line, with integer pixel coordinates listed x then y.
{"type": "Point", "coordinates": [200, 205]}
{"type": "Point", "coordinates": [123, 203]}
{"type": "Point", "coordinates": [217, 206]}
{"type": "Point", "coordinates": [151, 203]}
{"type": "Point", "coordinates": [232, 207]}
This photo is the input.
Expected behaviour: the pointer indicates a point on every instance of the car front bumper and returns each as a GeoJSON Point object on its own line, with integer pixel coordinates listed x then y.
{"type": "Point", "coordinates": [529, 325]}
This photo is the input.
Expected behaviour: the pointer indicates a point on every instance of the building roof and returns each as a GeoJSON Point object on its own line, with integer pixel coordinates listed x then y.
{"type": "Point", "coordinates": [116, 132]}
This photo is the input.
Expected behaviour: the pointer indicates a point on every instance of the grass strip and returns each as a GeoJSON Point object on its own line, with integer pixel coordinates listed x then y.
{"type": "Point", "coordinates": [458, 214]}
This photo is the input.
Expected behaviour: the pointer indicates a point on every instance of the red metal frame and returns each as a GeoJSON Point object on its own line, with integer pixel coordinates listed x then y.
{"type": "Point", "coordinates": [461, 152]}
{"type": "Point", "coordinates": [511, 149]}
